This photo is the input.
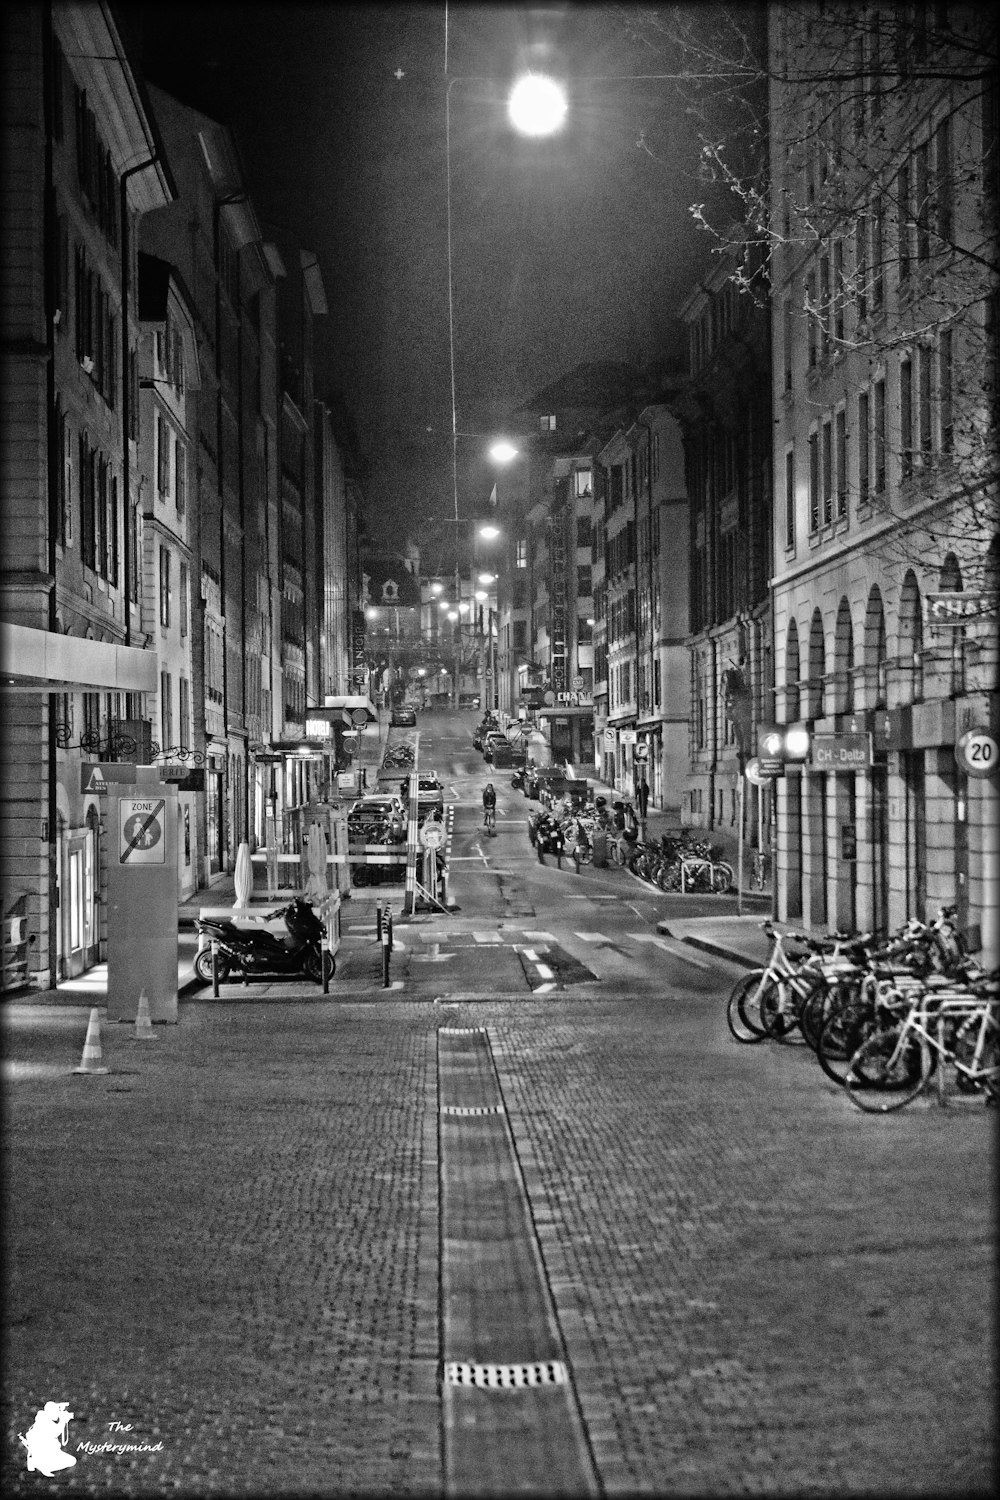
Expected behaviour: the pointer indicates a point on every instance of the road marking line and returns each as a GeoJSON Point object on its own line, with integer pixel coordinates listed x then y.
{"type": "Point", "coordinates": [544, 970]}
{"type": "Point", "coordinates": [592, 937]}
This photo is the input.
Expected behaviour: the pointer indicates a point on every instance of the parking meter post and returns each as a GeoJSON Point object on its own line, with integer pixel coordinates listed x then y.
{"type": "Point", "coordinates": [324, 952]}
{"type": "Point", "coordinates": [385, 958]}
{"type": "Point", "coordinates": [388, 924]}
{"type": "Point", "coordinates": [378, 921]}
{"type": "Point", "coordinates": [215, 969]}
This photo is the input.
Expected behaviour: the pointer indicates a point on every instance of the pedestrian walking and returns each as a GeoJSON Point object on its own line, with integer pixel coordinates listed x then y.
{"type": "Point", "coordinates": [642, 797]}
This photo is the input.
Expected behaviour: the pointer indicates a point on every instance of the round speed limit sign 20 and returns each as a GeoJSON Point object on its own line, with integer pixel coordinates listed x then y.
{"type": "Point", "coordinates": [978, 753]}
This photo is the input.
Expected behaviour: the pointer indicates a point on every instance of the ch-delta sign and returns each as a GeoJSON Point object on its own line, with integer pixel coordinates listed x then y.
{"type": "Point", "coordinates": [841, 752]}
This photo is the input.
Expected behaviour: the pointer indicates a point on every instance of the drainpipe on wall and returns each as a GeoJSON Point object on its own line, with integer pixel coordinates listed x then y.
{"type": "Point", "coordinates": [52, 805]}
{"type": "Point", "coordinates": [126, 278]}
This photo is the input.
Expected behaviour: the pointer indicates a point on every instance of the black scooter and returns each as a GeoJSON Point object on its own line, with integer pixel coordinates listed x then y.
{"type": "Point", "coordinates": [255, 954]}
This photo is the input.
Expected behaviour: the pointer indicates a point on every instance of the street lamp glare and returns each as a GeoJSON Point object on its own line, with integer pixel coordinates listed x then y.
{"type": "Point", "coordinates": [537, 105]}
{"type": "Point", "coordinates": [481, 594]}
{"type": "Point", "coordinates": [503, 452]}
{"type": "Point", "coordinates": [489, 533]}
{"type": "Point", "coordinates": [487, 578]}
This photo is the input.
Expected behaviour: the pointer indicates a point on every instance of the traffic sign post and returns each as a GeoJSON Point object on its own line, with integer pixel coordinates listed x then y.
{"type": "Point", "coordinates": [142, 897]}
{"type": "Point", "coordinates": [977, 753]}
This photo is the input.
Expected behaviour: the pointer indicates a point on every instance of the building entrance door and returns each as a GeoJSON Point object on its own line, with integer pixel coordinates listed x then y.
{"type": "Point", "coordinates": [78, 940]}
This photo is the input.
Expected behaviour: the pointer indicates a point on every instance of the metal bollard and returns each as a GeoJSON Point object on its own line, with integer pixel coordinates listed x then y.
{"type": "Point", "coordinates": [388, 923]}
{"type": "Point", "coordinates": [378, 921]}
{"type": "Point", "coordinates": [385, 958]}
{"type": "Point", "coordinates": [324, 949]}
{"type": "Point", "coordinates": [215, 968]}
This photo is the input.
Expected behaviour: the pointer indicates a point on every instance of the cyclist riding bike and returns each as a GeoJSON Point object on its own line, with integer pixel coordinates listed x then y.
{"type": "Point", "coordinates": [489, 807]}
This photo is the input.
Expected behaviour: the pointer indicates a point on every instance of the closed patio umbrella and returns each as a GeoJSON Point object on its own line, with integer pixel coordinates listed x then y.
{"type": "Point", "coordinates": [243, 876]}
{"type": "Point", "coordinates": [316, 888]}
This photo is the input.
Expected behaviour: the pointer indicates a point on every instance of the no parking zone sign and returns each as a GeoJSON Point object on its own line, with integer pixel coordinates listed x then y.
{"type": "Point", "coordinates": [140, 824]}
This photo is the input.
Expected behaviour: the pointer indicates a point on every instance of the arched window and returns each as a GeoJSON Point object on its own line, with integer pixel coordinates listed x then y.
{"type": "Point", "coordinates": [911, 639]}
{"type": "Point", "coordinates": [874, 659]}
{"type": "Point", "coordinates": [792, 673]}
{"type": "Point", "coordinates": [817, 668]}
{"type": "Point", "coordinates": [991, 569]}
{"type": "Point", "coordinates": [950, 581]}
{"type": "Point", "coordinates": [843, 660]}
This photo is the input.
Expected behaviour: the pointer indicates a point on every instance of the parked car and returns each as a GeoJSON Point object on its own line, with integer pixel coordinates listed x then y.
{"type": "Point", "coordinates": [377, 820]}
{"type": "Point", "coordinates": [494, 738]}
{"type": "Point", "coordinates": [430, 791]}
{"type": "Point", "coordinates": [403, 718]}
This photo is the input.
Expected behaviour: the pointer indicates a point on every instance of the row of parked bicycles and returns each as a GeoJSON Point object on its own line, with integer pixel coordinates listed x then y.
{"type": "Point", "coordinates": [883, 1017]}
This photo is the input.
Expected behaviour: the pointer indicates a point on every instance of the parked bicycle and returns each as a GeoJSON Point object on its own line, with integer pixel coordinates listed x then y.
{"type": "Point", "coordinates": [958, 1027]}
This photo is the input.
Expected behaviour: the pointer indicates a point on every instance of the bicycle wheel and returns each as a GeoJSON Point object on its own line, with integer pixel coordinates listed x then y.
{"type": "Point", "coordinates": [780, 1012]}
{"type": "Point", "coordinates": [723, 876]}
{"type": "Point", "coordinates": [843, 1031]}
{"type": "Point", "coordinates": [887, 1071]}
{"type": "Point", "coordinates": [743, 1009]}
{"type": "Point", "coordinates": [817, 1006]}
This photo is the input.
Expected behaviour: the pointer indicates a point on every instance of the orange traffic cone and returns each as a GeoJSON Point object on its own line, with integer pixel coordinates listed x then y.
{"type": "Point", "coordinates": [143, 1021]}
{"type": "Point", "coordinates": [91, 1060]}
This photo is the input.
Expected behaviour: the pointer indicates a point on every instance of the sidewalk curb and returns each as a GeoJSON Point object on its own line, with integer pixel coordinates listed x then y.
{"type": "Point", "coordinates": [716, 949]}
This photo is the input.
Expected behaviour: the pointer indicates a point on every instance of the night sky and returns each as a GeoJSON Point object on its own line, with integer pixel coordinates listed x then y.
{"type": "Point", "coordinates": [580, 248]}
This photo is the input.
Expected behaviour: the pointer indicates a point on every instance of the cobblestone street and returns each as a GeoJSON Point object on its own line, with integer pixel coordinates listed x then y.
{"type": "Point", "coordinates": [230, 1244]}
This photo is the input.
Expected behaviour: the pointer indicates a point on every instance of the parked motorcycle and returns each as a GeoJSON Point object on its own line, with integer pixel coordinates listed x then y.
{"type": "Point", "coordinates": [517, 780]}
{"type": "Point", "coordinates": [548, 838]}
{"type": "Point", "coordinates": [255, 952]}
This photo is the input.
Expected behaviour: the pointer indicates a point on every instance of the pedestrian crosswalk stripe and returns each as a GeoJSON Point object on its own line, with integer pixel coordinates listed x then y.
{"type": "Point", "coordinates": [487, 937]}
{"type": "Point", "coordinates": [592, 937]}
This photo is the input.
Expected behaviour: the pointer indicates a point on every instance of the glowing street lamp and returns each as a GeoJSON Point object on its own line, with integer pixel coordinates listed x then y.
{"type": "Point", "coordinates": [503, 452]}
{"type": "Point", "coordinates": [537, 105]}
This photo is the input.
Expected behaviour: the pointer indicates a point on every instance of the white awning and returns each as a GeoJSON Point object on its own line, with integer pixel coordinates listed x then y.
{"type": "Point", "coordinates": [42, 661]}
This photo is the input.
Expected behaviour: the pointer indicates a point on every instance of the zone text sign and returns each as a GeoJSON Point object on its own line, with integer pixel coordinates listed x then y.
{"type": "Point", "coordinates": [140, 825]}
{"type": "Point", "coordinates": [841, 752]}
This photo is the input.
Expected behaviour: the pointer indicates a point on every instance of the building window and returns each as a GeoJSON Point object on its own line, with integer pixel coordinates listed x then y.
{"type": "Point", "coordinates": [811, 314]}
{"type": "Point", "coordinates": [183, 591]}
{"type": "Point", "coordinates": [786, 339]}
{"type": "Point", "coordinates": [827, 473]}
{"type": "Point", "coordinates": [164, 586]}
{"type": "Point", "coordinates": [166, 711]}
{"type": "Point", "coordinates": [903, 220]}
{"type": "Point", "coordinates": [924, 435]}
{"type": "Point", "coordinates": [582, 481]}
{"type": "Point", "coordinates": [813, 481]}
{"type": "Point", "coordinates": [790, 499]}
{"type": "Point", "coordinates": [943, 184]}
{"type": "Point", "coordinates": [838, 290]}
{"type": "Point", "coordinates": [861, 266]}
{"type": "Point", "coordinates": [879, 443]}
{"type": "Point", "coordinates": [180, 477]}
{"type": "Point", "coordinates": [922, 204]}
{"type": "Point", "coordinates": [522, 552]}
{"type": "Point", "coordinates": [877, 252]}
{"type": "Point", "coordinates": [183, 711]}
{"type": "Point", "coordinates": [547, 424]}
{"type": "Point", "coordinates": [864, 454]}
{"type": "Point", "coordinates": [906, 417]}
{"type": "Point", "coordinates": [841, 464]}
{"type": "Point", "coordinates": [162, 458]}
{"type": "Point", "coordinates": [945, 415]}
